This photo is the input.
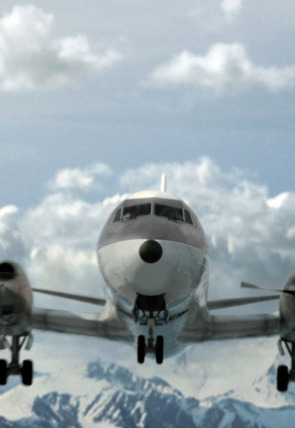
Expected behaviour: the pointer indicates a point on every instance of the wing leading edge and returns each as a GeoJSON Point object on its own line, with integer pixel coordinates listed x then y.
{"type": "Point", "coordinates": [105, 325]}
{"type": "Point", "coordinates": [70, 296]}
{"type": "Point", "coordinates": [240, 301]}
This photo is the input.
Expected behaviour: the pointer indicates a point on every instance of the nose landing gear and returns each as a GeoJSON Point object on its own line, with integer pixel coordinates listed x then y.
{"type": "Point", "coordinates": [150, 311]}
{"type": "Point", "coordinates": [143, 348]}
{"type": "Point", "coordinates": [15, 368]}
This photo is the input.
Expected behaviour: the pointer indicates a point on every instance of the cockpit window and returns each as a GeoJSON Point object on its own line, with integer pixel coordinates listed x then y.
{"type": "Point", "coordinates": [165, 211]}
{"type": "Point", "coordinates": [136, 211]}
{"type": "Point", "coordinates": [171, 213]}
{"type": "Point", "coordinates": [118, 215]}
{"type": "Point", "coordinates": [188, 217]}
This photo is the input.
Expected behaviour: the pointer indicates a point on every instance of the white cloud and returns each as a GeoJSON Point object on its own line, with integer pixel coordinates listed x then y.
{"type": "Point", "coordinates": [79, 179]}
{"type": "Point", "coordinates": [225, 67]}
{"type": "Point", "coordinates": [60, 235]}
{"type": "Point", "coordinates": [279, 200]}
{"type": "Point", "coordinates": [11, 244]}
{"type": "Point", "coordinates": [231, 8]}
{"type": "Point", "coordinates": [215, 17]}
{"type": "Point", "coordinates": [251, 235]}
{"type": "Point", "coordinates": [31, 58]}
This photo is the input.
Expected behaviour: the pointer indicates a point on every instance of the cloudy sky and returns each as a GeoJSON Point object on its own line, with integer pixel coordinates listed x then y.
{"type": "Point", "coordinates": [99, 98]}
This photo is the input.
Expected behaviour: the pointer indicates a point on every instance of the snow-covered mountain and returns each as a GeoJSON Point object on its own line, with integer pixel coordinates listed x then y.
{"type": "Point", "coordinates": [216, 384]}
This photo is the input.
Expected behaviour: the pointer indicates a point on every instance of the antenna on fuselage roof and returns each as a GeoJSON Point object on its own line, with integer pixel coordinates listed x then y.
{"type": "Point", "coordinates": [163, 183]}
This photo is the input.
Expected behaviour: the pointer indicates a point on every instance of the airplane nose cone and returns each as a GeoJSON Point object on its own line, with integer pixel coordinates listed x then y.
{"type": "Point", "coordinates": [150, 251]}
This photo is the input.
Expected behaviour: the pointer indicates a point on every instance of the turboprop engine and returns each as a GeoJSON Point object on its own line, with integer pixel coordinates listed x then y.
{"type": "Point", "coordinates": [287, 310]}
{"type": "Point", "coordinates": [287, 329]}
{"type": "Point", "coordinates": [16, 300]}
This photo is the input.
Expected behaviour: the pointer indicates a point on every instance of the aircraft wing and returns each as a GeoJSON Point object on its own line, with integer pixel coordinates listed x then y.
{"type": "Point", "coordinates": [105, 325]}
{"type": "Point", "coordinates": [226, 327]}
{"type": "Point", "coordinates": [202, 325]}
{"type": "Point", "coordinates": [230, 303]}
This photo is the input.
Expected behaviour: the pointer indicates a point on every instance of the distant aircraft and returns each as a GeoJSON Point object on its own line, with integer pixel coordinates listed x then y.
{"type": "Point", "coordinates": [153, 256]}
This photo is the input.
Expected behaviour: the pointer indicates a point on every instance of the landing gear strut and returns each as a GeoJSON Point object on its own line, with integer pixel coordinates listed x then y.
{"type": "Point", "coordinates": [25, 370]}
{"type": "Point", "coordinates": [150, 311]}
{"type": "Point", "coordinates": [284, 375]}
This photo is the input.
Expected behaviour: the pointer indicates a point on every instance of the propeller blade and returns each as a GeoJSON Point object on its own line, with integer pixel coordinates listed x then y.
{"type": "Point", "coordinates": [78, 297]}
{"type": "Point", "coordinates": [257, 287]}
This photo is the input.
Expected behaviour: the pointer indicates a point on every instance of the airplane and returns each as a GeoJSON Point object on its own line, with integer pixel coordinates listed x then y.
{"type": "Point", "coordinates": [154, 259]}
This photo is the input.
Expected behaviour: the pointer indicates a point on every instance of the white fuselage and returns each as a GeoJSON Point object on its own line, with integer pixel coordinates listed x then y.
{"type": "Point", "coordinates": [176, 274]}
{"type": "Point", "coordinates": [179, 272]}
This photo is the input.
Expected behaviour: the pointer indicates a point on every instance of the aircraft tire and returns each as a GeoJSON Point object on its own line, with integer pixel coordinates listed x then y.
{"type": "Point", "coordinates": [160, 349]}
{"type": "Point", "coordinates": [140, 349]}
{"type": "Point", "coordinates": [3, 372]}
{"type": "Point", "coordinates": [27, 372]}
{"type": "Point", "coordinates": [282, 378]}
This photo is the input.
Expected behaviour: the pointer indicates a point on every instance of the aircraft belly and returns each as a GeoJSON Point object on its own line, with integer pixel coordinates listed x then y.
{"type": "Point", "coordinates": [170, 331]}
{"type": "Point", "coordinates": [177, 274]}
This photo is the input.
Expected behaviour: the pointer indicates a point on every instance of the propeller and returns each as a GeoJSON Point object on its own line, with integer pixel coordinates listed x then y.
{"type": "Point", "coordinates": [257, 287]}
{"type": "Point", "coordinates": [78, 297]}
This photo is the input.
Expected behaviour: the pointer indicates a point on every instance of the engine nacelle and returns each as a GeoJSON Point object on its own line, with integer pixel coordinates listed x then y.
{"type": "Point", "coordinates": [16, 299]}
{"type": "Point", "coordinates": [287, 310]}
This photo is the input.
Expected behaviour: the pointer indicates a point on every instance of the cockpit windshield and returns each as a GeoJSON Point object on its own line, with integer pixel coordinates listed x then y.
{"type": "Point", "coordinates": [165, 211]}
{"type": "Point", "coordinates": [132, 212]}
{"type": "Point", "coordinates": [171, 213]}
{"type": "Point", "coordinates": [136, 211]}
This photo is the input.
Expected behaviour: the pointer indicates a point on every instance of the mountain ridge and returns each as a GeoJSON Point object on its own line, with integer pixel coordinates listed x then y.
{"type": "Point", "coordinates": [129, 401]}
{"type": "Point", "coordinates": [218, 384]}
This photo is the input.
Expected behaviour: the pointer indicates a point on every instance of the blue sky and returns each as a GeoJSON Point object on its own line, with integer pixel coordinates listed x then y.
{"type": "Point", "coordinates": [98, 99]}
{"type": "Point", "coordinates": [87, 84]}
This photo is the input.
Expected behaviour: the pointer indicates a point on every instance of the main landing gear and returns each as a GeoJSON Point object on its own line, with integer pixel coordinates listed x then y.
{"type": "Point", "coordinates": [25, 370]}
{"type": "Point", "coordinates": [284, 375]}
{"type": "Point", "coordinates": [150, 311]}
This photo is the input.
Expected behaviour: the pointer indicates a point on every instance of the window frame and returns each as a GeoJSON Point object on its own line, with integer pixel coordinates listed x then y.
{"type": "Point", "coordinates": [187, 217]}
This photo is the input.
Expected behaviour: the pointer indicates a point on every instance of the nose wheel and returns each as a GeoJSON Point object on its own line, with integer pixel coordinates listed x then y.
{"type": "Point", "coordinates": [3, 372]}
{"type": "Point", "coordinates": [141, 349]}
{"type": "Point", "coordinates": [159, 349]}
{"type": "Point", "coordinates": [151, 346]}
{"type": "Point", "coordinates": [282, 378]}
